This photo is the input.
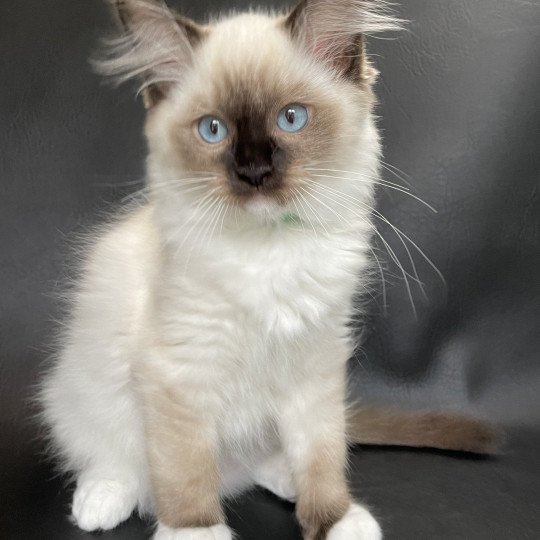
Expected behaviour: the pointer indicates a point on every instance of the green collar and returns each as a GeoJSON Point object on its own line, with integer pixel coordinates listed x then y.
{"type": "Point", "coordinates": [290, 219]}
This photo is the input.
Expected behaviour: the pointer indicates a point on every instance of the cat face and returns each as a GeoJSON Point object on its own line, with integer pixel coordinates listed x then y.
{"type": "Point", "coordinates": [254, 114]}
{"type": "Point", "coordinates": [243, 111]}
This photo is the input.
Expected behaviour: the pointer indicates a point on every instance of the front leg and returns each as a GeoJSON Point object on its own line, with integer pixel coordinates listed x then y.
{"type": "Point", "coordinates": [181, 443]}
{"type": "Point", "coordinates": [313, 434]}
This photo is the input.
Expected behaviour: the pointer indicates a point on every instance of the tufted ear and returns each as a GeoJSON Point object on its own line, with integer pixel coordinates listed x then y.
{"type": "Point", "coordinates": [156, 45]}
{"type": "Point", "coordinates": [334, 32]}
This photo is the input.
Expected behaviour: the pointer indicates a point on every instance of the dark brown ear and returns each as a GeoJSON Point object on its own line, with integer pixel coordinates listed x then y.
{"type": "Point", "coordinates": [334, 32]}
{"type": "Point", "coordinates": [155, 47]}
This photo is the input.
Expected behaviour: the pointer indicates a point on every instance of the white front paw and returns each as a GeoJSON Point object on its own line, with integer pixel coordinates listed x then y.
{"type": "Point", "coordinates": [102, 504]}
{"type": "Point", "coordinates": [217, 532]}
{"type": "Point", "coordinates": [356, 524]}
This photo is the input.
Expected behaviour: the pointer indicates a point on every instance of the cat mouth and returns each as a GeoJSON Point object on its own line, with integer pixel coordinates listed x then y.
{"type": "Point", "coordinates": [269, 191]}
{"type": "Point", "coordinates": [265, 184]}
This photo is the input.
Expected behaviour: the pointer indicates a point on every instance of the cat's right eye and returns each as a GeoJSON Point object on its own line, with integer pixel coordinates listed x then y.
{"type": "Point", "coordinates": [212, 130]}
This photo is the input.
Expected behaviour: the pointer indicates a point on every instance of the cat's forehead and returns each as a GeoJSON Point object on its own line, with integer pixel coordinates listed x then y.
{"type": "Point", "coordinates": [246, 35]}
{"type": "Point", "coordinates": [250, 62]}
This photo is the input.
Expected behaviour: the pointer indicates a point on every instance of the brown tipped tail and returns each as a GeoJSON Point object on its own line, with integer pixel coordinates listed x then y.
{"type": "Point", "coordinates": [444, 431]}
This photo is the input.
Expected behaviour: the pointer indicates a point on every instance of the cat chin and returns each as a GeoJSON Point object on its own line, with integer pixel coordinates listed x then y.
{"type": "Point", "coordinates": [264, 208]}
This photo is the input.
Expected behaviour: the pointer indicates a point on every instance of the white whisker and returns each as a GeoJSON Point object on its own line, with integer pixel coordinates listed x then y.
{"type": "Point", "coordinates": [315, 213]}
{"type": "Point", "coordinates": [306, 214]}
{"type": "Point", "coordinates": [398, 173]}
{"type": "Point", "coordinates": [383, 281]}
{"type": "Point", "coordinates": [203, 231]}
{"type": "Point", "coordinates": [383, 183]}
{"type": "Point", "coordinates": [354, 173]}
{"type": "Point", "coordinates": [207, 203]}
{"type": "Point", "coordinates": [378, 215]}
{"type": "Point", "coordinates": [295, 192]}
{"type": "Point", "coordinates": [406, 275]}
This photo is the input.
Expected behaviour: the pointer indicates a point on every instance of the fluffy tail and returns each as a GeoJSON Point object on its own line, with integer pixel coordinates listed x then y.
{"type": "Point", "coordinates": [445, 431]}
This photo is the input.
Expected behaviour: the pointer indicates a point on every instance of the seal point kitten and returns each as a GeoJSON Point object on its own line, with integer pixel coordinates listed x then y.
{"type": "Point", "coordinates": [208, 338]}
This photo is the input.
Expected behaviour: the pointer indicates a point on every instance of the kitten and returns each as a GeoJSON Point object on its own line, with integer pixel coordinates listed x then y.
{"type": "Point", "coordinates": [207, 345]}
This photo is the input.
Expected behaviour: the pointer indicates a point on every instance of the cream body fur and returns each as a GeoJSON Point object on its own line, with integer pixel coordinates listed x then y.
{"type": "Point", "coordinates": [208, 340]}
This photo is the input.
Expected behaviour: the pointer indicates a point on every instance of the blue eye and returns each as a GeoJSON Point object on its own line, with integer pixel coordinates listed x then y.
{"type": "Point", "coordinates": [292, 118]}
{"type": "Point", "coordinates": [212, 130]}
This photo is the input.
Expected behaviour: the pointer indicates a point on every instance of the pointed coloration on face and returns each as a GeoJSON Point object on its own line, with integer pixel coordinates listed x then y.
{"type": "Point", "coordinates": [253, 102]}
{"type": "Point", "coordinates": [248, 84]}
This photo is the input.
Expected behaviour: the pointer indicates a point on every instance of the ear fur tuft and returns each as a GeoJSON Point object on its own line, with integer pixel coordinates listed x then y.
{"type": "Point", "coordinates": [155, 47]}
{"type": "Point", "coordinates": [334, 31]}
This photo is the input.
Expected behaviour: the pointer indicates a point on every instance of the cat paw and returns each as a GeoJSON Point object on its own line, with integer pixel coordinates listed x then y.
{"type": "Point", "coordinates": [217, 532]}
{"type": "Point", "coordinates": [356, 524]}
{"type": "Point", "coordinates": [275, 476]}
{"type": "Point", "coordinates": [102, 504]}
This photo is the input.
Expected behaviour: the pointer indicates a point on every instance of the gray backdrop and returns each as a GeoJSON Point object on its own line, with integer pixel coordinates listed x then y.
{"type": "Point", "coordinates": [459, 105]}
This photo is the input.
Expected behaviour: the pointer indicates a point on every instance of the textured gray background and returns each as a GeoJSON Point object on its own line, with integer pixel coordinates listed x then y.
{"type": "Point", "coordinates": [460, 107]}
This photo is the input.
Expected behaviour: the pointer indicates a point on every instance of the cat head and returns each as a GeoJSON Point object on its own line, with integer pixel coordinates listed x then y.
{"type": "Point", "coordinates": [253, 112]}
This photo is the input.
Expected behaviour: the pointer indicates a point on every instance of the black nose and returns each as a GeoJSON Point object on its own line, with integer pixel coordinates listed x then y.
{"type": "Point", "coordinates": [254, 176]}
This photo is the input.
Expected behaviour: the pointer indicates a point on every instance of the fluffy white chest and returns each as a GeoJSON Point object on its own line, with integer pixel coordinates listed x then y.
{"type": "Point", "coordinates": [256, 316]}
{"type": "Point", "coordinates": [283, 286]}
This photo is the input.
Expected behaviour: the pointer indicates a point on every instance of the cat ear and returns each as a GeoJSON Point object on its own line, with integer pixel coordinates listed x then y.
{"type": "Point", "coordinates": [155, 47]}
{"type": "Point", "coordinates": [334, 32]}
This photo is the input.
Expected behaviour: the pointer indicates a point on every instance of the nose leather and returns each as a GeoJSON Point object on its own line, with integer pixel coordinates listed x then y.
{"type": "Point", "coordinates": [254, 175]}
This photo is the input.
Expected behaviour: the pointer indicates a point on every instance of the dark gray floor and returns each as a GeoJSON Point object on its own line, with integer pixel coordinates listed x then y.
{"type": "Point", "coordinates": [417, 495]}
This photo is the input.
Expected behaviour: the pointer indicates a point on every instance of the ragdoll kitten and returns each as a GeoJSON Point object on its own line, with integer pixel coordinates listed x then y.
{"type": "Point", "coordinates": [207, 345]}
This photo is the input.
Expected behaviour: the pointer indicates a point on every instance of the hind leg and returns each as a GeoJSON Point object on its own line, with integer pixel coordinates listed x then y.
{"type": "Point", "coordinates": [111, 484]}
{"type": "Point", "coordinates": [96, 431]}
{"type": "Point", "coordinates": [103, 503]}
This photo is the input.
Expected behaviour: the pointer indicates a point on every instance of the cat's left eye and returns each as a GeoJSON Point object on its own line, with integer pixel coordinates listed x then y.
{"type": "Point", "coordinates": [212, 130]}
{"type": "Point", "coordinates": [292, 118]}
